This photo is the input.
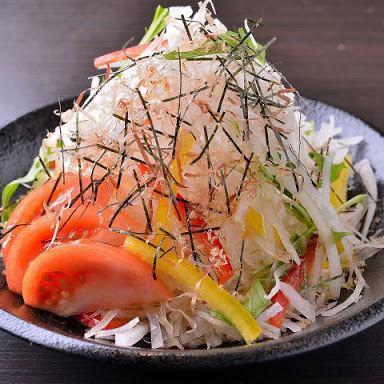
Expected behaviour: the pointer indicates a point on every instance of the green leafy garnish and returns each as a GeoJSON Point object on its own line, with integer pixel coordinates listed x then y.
{"type": "Point", "coordinates": [340, 235]}
{"type": "Point", "coordinates": [157, 24]}
{"type": "Point", "coordinates": [233, 38]}
{"type": "Point", "coordinates": [219, 316]}
{"type": "Point", "coordinates": [319, 160]}
{"type": "Point", "coordinates": [257, 300]}
{"type": "Point", "coordinates": [230, 39]}
{"type": "Point", "coordinates": [311, 129]}
{"type": "Point", "coordinates": [208, 48]}
{"type": "Point", "coordinates": [358, 199]}
{"type": "Point", "coordinates": [11, 188]}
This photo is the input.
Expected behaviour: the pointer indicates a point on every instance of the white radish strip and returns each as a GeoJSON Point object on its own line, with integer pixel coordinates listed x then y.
{"type": "Point", "coordinates": [322, 203]}
{"type": "Point", "coordinates": [269, 330]}
{"type": "Point", "coordinates": [326, 308]}
{"type": "Point", "coordinates": [273, 310]}
{"type": "Point", "coordinates": [284, 237]}
{"type": "Point", "coordinates": [326, 186]}
{"type": "Point", "coordinates": [157, 340]}
{"type": "Point", "coordinates": [368, 177]}
{"type": "Point", "coordinates": [329, 243]}
{"type": "Point", "coordinates": [276, 276]}
{"type": "Point", "coordinates": [314, 276]}
{"type": "Point", "coordinates": [95, 82]}
{"type": "Point", "coordinates": [102, 324]}
{"type": "Point", "coordinates": [353, 298]}
{"type": "Point", "coordinates": [110, 332]}
{"type": "Point", "coordinates": [131, 336]}
{"type": "Point", "coordinates": [298, 302]}
{"type": "Point", "coordinates": [315, 273]}
{"type": "Point", "coordinates": [291, 325]}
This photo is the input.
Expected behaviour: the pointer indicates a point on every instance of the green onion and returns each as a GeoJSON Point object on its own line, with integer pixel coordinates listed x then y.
{"type": "Point", "coordinates": [319, 159]}
{"type": "Point", "coordinates": [358, 199]}
{"type": "Point", "coordinates": [257, 300]}
{"type": "Point", "coordinates": [157, 24]}
{"type": "Point", "coordinates": [11, 188]}
{"type": "Point", "coordinates": [340, 235]}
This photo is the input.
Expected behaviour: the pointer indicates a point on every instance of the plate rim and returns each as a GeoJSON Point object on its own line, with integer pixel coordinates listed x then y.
{"type": "Point", "coordinates": [270, 350]}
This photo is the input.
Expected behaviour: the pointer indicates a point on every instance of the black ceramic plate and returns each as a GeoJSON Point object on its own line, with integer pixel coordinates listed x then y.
{"type": "Point", "coordinates": [19, 143]}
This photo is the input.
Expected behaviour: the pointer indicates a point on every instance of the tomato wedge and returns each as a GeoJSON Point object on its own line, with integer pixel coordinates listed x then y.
{"type": "Point", "coordinates": [122, 54]}
{"type": "Point", "coordinates": [294, 277]}
{"type": "Point", "coordinates": [74, 278]}
{"type": "Point", "coordinates": [33, 239]}
{"type": "Point", "coordinates": [32, 205]}
{"type": "Point", "coordinates": [123, 221]}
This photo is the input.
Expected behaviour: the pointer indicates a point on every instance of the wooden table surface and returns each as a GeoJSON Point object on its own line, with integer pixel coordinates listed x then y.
{"type": "Point", "coordinates": [331, 50]}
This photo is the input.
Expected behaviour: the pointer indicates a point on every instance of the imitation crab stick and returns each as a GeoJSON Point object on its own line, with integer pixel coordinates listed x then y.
{"type": "Point", "coordinates": [84, 277]}
{"type": "Point", "coordinates": [120, 55]}
{"type": "Point", "coordinates": [193, 279]}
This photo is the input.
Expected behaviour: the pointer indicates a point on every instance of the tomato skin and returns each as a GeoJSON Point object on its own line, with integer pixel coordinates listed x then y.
{"type": "Point", "coordinates": [294, 277]}
{"type": "Point", "coordinates": [32, 205]}
{"type": "Point", "coordinates": [123, 222]}
{"type": "Point", "coordinates": [33, 239]}
{"type": "Point", "coordinates": [91, 276]}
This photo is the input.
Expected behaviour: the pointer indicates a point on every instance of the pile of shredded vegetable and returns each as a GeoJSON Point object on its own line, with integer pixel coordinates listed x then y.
{"type": "Point", "coordinates": [241, 205]}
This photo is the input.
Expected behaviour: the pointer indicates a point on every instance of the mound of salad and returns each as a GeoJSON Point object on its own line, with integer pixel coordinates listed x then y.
{"type": "Point", "coordinates": [186, 201]}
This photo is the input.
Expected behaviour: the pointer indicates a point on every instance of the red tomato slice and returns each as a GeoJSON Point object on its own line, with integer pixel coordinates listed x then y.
{"type": "Point", "coordinates": [123, 222]}
{"type": "Point", "coordinates": [32, 205]}
{"type": "Point", "coordinates": [122, 54]}
{"type": "Point", "coordinates": [33, 239]}
{"type": "Point", "coordinates": [75, 278]}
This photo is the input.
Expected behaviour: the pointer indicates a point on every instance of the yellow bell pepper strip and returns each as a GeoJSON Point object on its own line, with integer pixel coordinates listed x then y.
{"type": "Point", "coordinates": [339, 190]}
{"type": "Point", "coordinates": [185, 144]}
{"type": "Point", "coordinates": [255, 221]}
{"type": "Point", "coordinates": [339, 187]}
{"type": "Point", "coordinates": [193, 279]}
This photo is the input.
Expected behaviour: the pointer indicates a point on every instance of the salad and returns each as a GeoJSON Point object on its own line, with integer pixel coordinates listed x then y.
{"type": "Point", "coordinates": [186, 201]}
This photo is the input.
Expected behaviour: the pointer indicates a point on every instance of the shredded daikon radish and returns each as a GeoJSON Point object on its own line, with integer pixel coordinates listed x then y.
{"type": "Point", "coordinates": [112, 332]}
{"type": "Point", "coordinates": [353, 298]}
{"type": "Point", "coordinates": [131, 336]}
{"type": "Point", "coordinates": [156, 334]}
{"type": "Point", "coordinates": [366, 172]}
{"type": "Point", "coordinates": [292, 326]}
{"type": "Point", "coordinates": [298, 302]}
{"type": "Point", "coordinates": [273, 310]}
{"type": "Point", "coordinates": [110, 315]}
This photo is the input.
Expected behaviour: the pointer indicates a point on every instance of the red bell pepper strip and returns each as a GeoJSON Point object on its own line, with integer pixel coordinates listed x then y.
{"type": "Point", "coordinates": [224, 270]}
{"type": "Point", "coordinates": [295, 278]}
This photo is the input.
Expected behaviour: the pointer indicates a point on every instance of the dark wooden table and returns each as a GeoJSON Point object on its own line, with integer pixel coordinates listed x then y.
{"type": "Point", "coordinates": [331, 50]}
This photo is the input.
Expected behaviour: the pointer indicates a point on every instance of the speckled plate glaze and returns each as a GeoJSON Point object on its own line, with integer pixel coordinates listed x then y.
{"type": "Point", "coordinates": [19, 143]}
